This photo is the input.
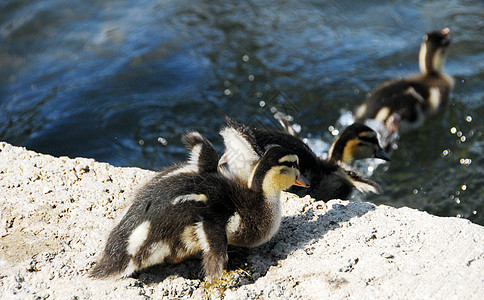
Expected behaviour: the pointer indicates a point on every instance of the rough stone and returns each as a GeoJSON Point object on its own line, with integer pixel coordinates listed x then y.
{"type": "Point", "coordinates": [57, 212]}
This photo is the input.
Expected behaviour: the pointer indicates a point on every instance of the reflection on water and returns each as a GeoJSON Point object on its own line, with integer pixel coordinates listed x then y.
{"type": "Point", "coordinates": [119, 81]}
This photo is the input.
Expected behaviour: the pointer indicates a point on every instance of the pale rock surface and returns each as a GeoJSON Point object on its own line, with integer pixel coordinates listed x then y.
{"type": "Point", "coordinates": [56, 214]}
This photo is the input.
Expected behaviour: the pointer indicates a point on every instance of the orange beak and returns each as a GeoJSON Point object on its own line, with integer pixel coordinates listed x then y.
{"type": "Point", "coordinates": [301, 181]}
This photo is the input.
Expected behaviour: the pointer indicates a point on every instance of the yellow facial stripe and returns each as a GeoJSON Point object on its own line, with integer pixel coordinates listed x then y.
{"type": "Point", "coordinates": [349, 151]}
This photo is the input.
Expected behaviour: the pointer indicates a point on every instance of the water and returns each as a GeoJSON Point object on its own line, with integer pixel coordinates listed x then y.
{"type": "Point", "coordinates": [119, 81]}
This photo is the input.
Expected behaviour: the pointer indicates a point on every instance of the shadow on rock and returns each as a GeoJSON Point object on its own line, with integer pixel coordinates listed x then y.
{"type": "Point", "coordinates": [190, 270]}
{"type": "Point", "coordinates": [296, 232]}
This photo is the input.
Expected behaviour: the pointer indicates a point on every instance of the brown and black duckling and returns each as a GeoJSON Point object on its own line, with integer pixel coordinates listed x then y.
{"type": "Point", "coordinates": [355, 142]}
{"type": "Point", "coordinates": [403, 104]}
{"type": "Point", "coordinates": [192, 211]}
{"type": "Point", "coordinates": [329, 179]}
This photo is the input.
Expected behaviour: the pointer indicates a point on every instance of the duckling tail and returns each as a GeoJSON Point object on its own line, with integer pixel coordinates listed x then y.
{"type": "Point", "coordinates": [203, 155]}
{"type": "Point", "coordinates": [106, 267]}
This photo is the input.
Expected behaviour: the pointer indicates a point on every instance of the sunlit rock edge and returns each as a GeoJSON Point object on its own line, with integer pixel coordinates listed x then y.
{"type": "Point", "coordinates": [57, 212]}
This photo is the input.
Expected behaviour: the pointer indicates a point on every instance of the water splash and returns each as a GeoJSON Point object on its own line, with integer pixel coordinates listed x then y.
{"type": "Point", "coordinates": [319, 147]}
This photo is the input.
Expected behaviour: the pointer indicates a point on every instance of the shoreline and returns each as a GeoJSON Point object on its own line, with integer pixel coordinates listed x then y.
{"type": "Point", "coordinates": [56, 214]}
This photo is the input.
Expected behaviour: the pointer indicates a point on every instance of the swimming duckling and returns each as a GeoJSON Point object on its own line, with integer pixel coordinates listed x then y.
{"type": "Point", "coordinates": [329, 179]}
{"type": "Point", "coordinates": [403, 104]}
{"type": "Point", "coordinates": [357, 141]}
{"type": "Point", "coordinates": [189, 214]}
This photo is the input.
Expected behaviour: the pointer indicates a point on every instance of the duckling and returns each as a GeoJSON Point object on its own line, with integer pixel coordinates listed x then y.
{"type": "Point", "coordinates": [403, 104]}
{"type": "Point", "coordinates": [329, 179]}
{"type": "Point", "coordinates": [357, 141]}
{"type": "Point", "coordinates": [189, 214]}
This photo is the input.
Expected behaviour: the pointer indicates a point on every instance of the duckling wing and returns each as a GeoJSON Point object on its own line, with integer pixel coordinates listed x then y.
{"type": "Point", "coordinates": [407, 98]}
{"type": "Point", "coordinates": [241, 149]}
{"type": "Point", "coordinates": [361, 183]}
{"type": "Point", "coordinates": [162, 211]}
{"type": "Point", "coordinates": [334, 181]}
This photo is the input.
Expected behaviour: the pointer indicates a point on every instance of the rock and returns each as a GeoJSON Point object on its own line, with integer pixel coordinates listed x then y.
{"type": "Point", "coordinates": [56, 214]}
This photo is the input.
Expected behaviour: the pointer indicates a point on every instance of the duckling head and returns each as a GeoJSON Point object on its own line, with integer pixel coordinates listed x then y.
{"type": "Point", "coordinates": [357, 141]}
{"type": "Point", "coordinates": [433, 51]}
{"type": "Point", "coordinates": [277, 170]}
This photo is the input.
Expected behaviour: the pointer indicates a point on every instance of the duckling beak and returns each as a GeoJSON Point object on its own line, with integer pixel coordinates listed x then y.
{"type": "Point", "coordinates": [381, 154]}
{"type": "Point", "coordinates": [301, 181]}
{"type": "Point", "coordinates": [223, 160]}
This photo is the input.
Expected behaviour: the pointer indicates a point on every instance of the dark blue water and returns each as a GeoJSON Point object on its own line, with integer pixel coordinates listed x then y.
{"type": "Point", "coordinates": [119, 81]}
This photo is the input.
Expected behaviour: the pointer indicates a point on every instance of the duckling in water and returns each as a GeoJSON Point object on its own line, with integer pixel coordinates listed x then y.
{"type": "Point", "coordinates": [191, 211]}
{"type": "Point", "coordinates": [329, 179]}
{"type": "Point", "coordinates": [403, 104]}
{"type": "Point", "coordinates": [355, 142]}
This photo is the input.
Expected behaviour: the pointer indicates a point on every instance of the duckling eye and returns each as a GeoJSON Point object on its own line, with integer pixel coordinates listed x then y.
{"type": "Point", "coordinates": [367, 141]}
{"type": "Point", "coordinates": [284, 171]}
{"type": "Point", "coordinates": [290, 164]}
